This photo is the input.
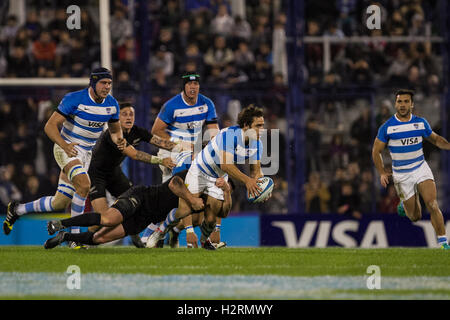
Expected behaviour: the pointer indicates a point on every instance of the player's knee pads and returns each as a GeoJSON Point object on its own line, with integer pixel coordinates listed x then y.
{"type": "Point", "coordinates": [75, 171]}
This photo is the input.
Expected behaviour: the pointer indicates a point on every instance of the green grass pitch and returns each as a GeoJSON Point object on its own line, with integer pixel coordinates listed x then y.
{"type": "Point", "coordinates": [230, 273]}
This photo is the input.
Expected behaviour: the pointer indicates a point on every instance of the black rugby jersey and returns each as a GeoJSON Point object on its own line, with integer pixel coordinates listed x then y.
{"type": "Point", "coordinates": [106, 156]}
{"type": "Point", "coordinates": [159, 199]}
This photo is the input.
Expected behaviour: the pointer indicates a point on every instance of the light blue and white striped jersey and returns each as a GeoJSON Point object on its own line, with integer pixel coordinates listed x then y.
{"type": "Point", "coordinates": [85, 119]}
{"type": "Point", "coordinates": [404, 140]}
{"type": "Point", "coordinates": [231, 140]}
{"type": "Point", "coordinates": [185, 122]}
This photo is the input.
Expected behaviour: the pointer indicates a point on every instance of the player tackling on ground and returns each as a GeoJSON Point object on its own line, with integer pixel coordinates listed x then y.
{"type": "Point", "coordinates": [403, 133]}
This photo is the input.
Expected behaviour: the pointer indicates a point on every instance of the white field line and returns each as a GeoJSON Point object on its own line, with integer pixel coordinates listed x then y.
{"type": "Point", "coordinates": [101, 285]}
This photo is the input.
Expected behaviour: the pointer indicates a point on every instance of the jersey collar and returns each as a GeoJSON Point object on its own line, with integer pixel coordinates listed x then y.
{"type": "Point", "coordinates": [410, 118]}
{"type": "Point", "coordinates": [186, 102]}
{"type": "Point", "coordinates": [92, 99]}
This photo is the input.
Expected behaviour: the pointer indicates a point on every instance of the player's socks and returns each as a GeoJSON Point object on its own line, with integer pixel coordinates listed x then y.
{"type": "Point", "coordinates": [77, 209]}
{"type": "Point", "coordinates": [83, 237]}
{"type": "Point", "coordinates": [170, 220]}
{"type": "Point", "coordinates": [84, 220]}
{"type": "Point", "coordinates": [401, 209]}
{"type": "Point", "coordinates": [175, 229]}
{"type": "Point", "coordinates": [442, 241]}
{"type": "Point", "coordinates": [43, 204]}
{"type": "Point", "coordinates": [148, 232]}
{"type": "Point", "coordinates": [206, 231]}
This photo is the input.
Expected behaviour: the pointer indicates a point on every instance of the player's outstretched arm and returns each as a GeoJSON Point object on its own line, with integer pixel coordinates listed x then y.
{"type": "Point", "coordinates": [175, 146]}
{"type": "Point", "coordinates": [378, 147]}
{"type": "Point", "coordinates": [439, 141]}
{"type": "Point", "coordinates": [177, 186]}
{"type": "Point", "coordinates": [162, 143]}
{"type": "Point", "coordinates": [142, 156]}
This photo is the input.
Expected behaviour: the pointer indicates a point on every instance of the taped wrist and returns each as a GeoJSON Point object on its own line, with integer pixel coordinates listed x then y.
{"type": "Point", "coordinates": [156, 160]}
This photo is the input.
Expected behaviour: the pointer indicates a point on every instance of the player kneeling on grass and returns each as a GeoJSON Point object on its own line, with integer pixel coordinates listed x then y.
{"type": "Point", "coordinates": [198, 218]}
{"type": "Point", "coordinates": [132, 212]}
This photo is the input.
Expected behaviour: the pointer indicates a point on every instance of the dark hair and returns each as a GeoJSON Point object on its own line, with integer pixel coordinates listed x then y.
{"type": "Point", "coordinates": [405, 91]}
{"type": "Point", "coordinates": [124, 105]}
{"type": "Point", "coordinates": [246, 116]}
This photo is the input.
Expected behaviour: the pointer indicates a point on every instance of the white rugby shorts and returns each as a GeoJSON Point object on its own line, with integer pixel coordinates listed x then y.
{"type": "Point", "coordinates": [199, 182]}
{"type": "Point", "coordinates": [63, 159]}
{"type": "Point", "coordinates": [406, 183]}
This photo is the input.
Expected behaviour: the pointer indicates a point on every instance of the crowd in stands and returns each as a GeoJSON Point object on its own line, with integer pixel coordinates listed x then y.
{"type": "Point", "coordinates": [230, 46]}
{"type": "Point", "coordinates": [341, 177]}
{"type": "Point", "coordinates": [235, 46]}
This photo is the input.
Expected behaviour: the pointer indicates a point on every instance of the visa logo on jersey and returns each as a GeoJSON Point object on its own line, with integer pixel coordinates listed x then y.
{"type": "Point", "coordinates": [94, 124]}
{"type": "Point", "coordinates": [409, 141]}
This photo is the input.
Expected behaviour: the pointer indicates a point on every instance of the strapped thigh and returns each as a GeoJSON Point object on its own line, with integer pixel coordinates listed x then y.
{"type": "Point", "coordinates": [75, 170]}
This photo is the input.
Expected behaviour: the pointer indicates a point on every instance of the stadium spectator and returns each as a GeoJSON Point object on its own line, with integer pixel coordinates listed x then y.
{"type": "Point", "coordinates": [193, 54]}
{"type": "Point", "coordinates": [44, 50]}
{"type": "Point", "coordinates": [9, 31]}
{"type": "Point", "coordinates": [385, 112]}
{"type": "Point", "coordinates": [317, 195]}
{"type": "Point", "coordinates": [8, 190]}
{"type": "Point", "coordinates": [348, 201]}
{"type": "Point", "coordinates": [182, 37]}
{"type": "Point", "coordinates": [219, 55]}
{"type": "Point", "coordinates": [361, 134]}
{"type": "Point", "coordinates": [23, 145]}
{"type": "Point", "coordinates": [261, 75]}
{"type": "Point", "coordinates": [58, 24]}
{"type": "Point", "coordinates": [200, 32]}
{"type": "Point", "coordinates": [163, 59]}
{"type": "Point", "coordinates": [338, 152]}
{"type": "Point", "coordinates": [170, 13]}
{"type": "Point", "coordinates": [7, 131]}
{"type": "Point", "coordinates": [313, 137]}
{"type": "Point", "coordinates": [120, 27]}
{"type": "Point", "coordinates": [223, 23]}
{"type": "Point", "coordinates": [242, 31]}
{"type": "Point", "coordinates": [396, 73]}
{"type": "Point", "coordinates": [166, 38]}
{"type": "Point", "coordinates": [277, 203]}
{"type": "Point", "coordinates": [22, 39]}
{"type": "Point", "coordinates": [244, 57]}
{"type": "Point", "coordinates": [32, 24]}
{"type": "Point", "coordinates": [19, 64]}
{"type": "Point", "coordinates": [234, 77]}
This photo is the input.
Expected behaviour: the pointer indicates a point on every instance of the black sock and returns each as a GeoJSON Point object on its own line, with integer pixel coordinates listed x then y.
{"type": "Point", "coordinates": [83, 220]}
{"type": "Point", "coordinates": [206, 230]}
{"type": "Point", "coordinates": [84, 237]}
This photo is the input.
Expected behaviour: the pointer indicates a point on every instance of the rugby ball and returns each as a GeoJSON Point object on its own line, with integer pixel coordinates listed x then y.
{"type": "Point", "coordinates": [266, 185]}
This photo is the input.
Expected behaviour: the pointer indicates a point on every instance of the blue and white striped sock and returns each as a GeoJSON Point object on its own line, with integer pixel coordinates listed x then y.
{"type": "Point", "coordinates": [43, 204]}
{"type": "Point", "coordinates": [148, 231]}
{"type": "Point", "coordinates": [442, 240]}
{"type": "Point", "coordinates": [76, 209]}
{"type": "Point", "coordinates": [170, 218]}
